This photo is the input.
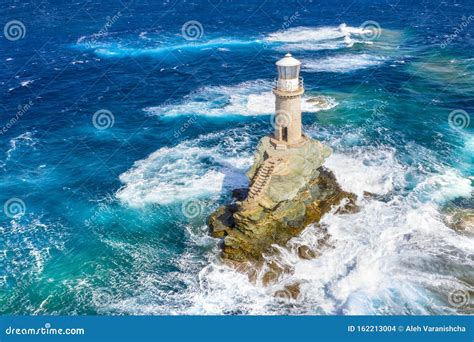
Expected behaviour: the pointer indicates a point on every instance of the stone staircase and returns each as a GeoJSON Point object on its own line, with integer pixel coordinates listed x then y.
{"type": "Point", "coordinates": [262, 178]}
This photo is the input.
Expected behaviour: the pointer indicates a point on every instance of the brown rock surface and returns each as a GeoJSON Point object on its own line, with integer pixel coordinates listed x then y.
{"type": "Point", "coordinates": [289, 292]}
{"type": "Point", "coordinates": [461, 220]}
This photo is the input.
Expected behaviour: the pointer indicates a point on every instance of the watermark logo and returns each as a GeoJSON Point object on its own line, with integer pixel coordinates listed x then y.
{"type": "Point", "coordinates": [192, 208]}
{"type": "Point", "coordinates": [22, 110]}
{"type": "Point", "coordinates": [103, 119]}
{"type": "Point", "coordinates": [371, 30]}
{"type": "Point", "coordinates": [109, 22]}
{"type": "Point", "coordinates": [466, 21]}
{"type": "Point", "coordinates": [46, 330]}
{"type": "Point", "coordinates": [280, 119]}
{"type": "Point", "coordinates": [459, 119]}
{"type": "Point", "coordinates": [14, 208]}
{"type": "Point", "coordinates": [14, 30]}
{"type": "Point", "coordinates": [459, 298]}
{"type": "Point", "coordinates": [192, 30]}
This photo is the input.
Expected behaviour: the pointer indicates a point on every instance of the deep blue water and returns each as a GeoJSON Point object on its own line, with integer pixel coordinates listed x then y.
{"type": "Point", "coordinates": [112, 213]}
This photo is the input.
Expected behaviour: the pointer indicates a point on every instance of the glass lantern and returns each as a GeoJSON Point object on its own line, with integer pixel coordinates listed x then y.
{"type": "Point", "coordinates": [288, 74]}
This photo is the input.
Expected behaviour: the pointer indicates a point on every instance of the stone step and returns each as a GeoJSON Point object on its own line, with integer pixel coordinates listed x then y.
{"type": "Point", "coordinates": [262, 177]}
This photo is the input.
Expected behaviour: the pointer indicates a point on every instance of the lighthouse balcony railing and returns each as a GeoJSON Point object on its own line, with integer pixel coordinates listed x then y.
{"type": "Point", "coordinates": [288, 85]}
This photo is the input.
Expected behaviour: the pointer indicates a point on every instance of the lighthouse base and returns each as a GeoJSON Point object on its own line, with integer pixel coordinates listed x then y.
{"type": "Point", "coordinates": [283, 145]}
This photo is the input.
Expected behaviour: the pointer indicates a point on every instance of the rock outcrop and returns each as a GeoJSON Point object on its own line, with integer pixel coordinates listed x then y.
{"type": "Point", "coordinates": [289, 190]}
{"type": "Point", "coordinates": [461, 220]}
{"type": "Point", "coordinates": [321, 102]}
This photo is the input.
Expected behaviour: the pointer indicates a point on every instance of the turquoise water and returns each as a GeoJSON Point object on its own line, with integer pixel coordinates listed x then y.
{"type": "Point", "coordinates": [106, 213]}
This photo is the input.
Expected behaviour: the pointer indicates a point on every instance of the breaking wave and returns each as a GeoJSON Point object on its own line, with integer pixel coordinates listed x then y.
{"type": "Point", "coordinates": [247, 99]}
{"type": "Point", "coordinates": [395, 256]}
{"type": "Point", "coordinates": [342, 63]}
{"type": "Point", "coordinates": [201, 168]}
{"type": "Point", "coordinates": [292, 39]}
{"type": "Point", "coordinates": [318, 38]}
{"type": "Point", "coordinates": [117, 47]}
{"type": "Point", "coordinates": [302, 34]}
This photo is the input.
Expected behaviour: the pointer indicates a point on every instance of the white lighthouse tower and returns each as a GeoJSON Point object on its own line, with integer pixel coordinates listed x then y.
{"type": "Point", "coordinates": [288, 90]}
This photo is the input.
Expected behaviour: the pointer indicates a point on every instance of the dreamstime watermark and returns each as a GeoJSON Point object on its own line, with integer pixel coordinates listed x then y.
{"type": "Point", "coordinates": [14, 208]}
{"type": "Point", "coordinates": [287, 22]}
{"type": "Point", "coordinates": [22, 109]}
{"type": "Point", "coordinates": [46, 330]}
{"type": "Point", "coordinates": [380, 109]}
{"type": "Point", "coordinates": [102, 209]}
{"type": "Point", "coordinates": [466, 21]}
{"type": "Point", "coordinates": [110, 21]}
{"type": "Point", "coordinates": [371, 30]}
{"type": "Point", "coordinates": [14, 30]}
{"type": "Point", "coordinates": [459, 298]}
{"type": "Point", "coordinates": [184, 127]}
{"type": "Point", "coordinates": [459, 119]}
{"type": "Point", "coordinates": [192, 30]}
{"type": "Point", "coordinates": [192, 208]}
{"type": "Point", "coordinates": [103, 119]}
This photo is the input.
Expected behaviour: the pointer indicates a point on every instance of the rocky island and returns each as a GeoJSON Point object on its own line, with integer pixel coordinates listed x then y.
{"type": "Point", "coordinates": [289, 186]}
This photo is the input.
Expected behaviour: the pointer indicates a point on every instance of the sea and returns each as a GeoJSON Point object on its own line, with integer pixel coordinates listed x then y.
{"type": "Point", "coordinates": [125, 124]}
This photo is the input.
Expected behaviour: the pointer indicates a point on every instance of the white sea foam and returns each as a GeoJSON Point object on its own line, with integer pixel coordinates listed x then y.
{"type": "Point", "coordinates": [105, 46]}
{"type": "Point", "coordinates": [292, 39]}
{"type": "Point", "coordinates": [200, 168]}
{"type": "Point", "coordinates": [318, 38]}
{"type": "Point", "coordinates": [26, 83]}
{"type": "Point", "coordinates": [342, 63]}
{"type": "Point", "coordinates": [392, 257]}
{"type": "Point", "coordinates": [303, 34]}
{"type": "Point", "coordinates": [23, 140]}
{"type": "Point", "coordinates": [347, 30]}
{"type": "Point", "coordinates": [247, 98]}
{"type": "Point", "coordinates": [361, 171]}
{"type": "Point", "coordinates": [312, 46]}
{"type": "Point", "coordinates": [31, 240]}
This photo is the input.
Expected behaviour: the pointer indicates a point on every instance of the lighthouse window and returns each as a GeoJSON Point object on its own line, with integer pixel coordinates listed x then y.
{"type": "Point", "coordinates": [288, 72]}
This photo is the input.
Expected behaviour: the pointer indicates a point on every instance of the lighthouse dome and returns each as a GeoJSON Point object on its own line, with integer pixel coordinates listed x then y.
{"type": "Point", "coordinates": [288, 61]}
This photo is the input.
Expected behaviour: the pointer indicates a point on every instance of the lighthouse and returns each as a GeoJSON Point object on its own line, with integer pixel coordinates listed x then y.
{"type": "Point", "coordinates": [288, 90]}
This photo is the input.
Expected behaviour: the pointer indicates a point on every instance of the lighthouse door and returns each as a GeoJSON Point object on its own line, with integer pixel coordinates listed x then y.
{"type": "Point", "coordinates": [285, 134]}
